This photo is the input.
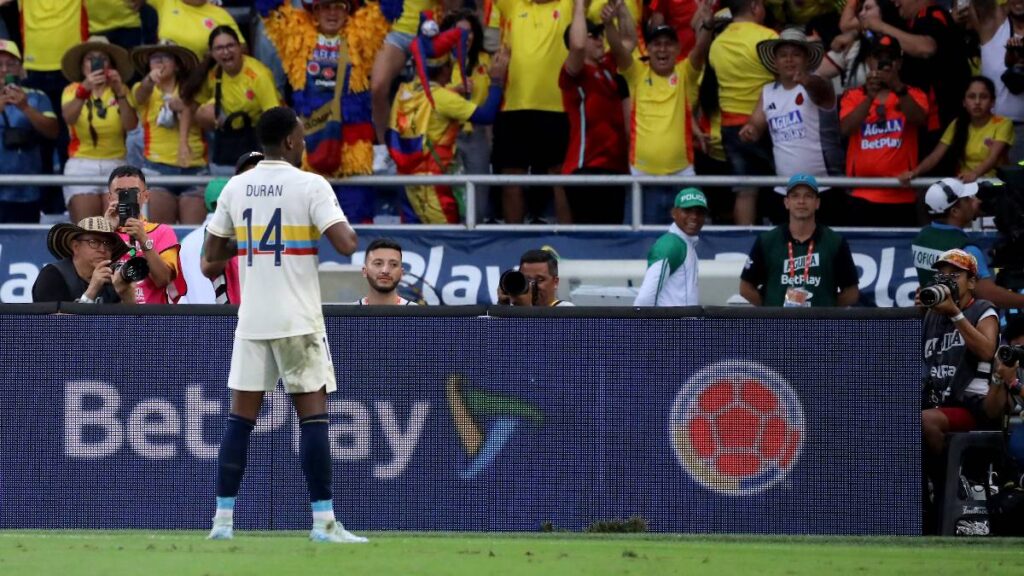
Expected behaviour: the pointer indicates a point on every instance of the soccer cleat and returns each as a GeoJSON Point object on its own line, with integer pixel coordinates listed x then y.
{"type": "Point", "coordinates": [333, 531]}
{"type": "Point", "coordinates": [222, 530]}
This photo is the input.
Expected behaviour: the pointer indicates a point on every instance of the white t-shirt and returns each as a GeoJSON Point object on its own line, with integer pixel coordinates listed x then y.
{"type": "Point", "coordinates": [805, 138]}
{"type": "Point", "coordinates": [200, 289]}
{"type": "Point", "coordinates": [277, 213]}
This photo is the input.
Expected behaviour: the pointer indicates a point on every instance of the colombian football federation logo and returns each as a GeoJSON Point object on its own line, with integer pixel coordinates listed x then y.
{"type": "Point", "coordinates": [485, 421]}
{"type": "Point", "coordinates": [737, 427]}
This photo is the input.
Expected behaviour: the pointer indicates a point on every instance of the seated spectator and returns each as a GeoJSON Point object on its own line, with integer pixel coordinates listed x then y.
{"type": "Point", "coordinates": [1001, 34]}
{"type": "Point", "coordinates": [740, 77]}
{"type": "Point", "coordinates": [383, 271]}
{"type": "Point", "coordinates": [28, 119]}
{"type": "Point", "coordinates": [427, 117]}
{"type": "Point", "coordinates": [84, 273]}
{"type": "Point", "coordinates": [236, 90]}
{"type": "Point", "coordinates": [188, 23]}
{"type": "Point", "coordinates": [800, 264]}
{"type": "Point", "coordinates": [846, 58]}
{"type": "Point", "coordinates": [157, 243]}
{"type": "Point", "coordinates": [663, 90]}
{"type": "Point", "coordinates": [99, 113]}
{"type": "Point", "coordinates": [672, 262]}
{"type": "Point", "coordinates": [117, 21]}
{"type": "Point", "coordinates": [593, 94]}
{"type": "Point", "coordinates": [974, 144]}
{"type": "Point", "coordinates": [174, 145]}
{"type": "Point", "coordinates": [799, 111]}
{"type": "Point", "coordinates": [881, 119]}
{"type": "Point", "coordinates": [959, 337]}
{"type": "Point", "coordinates": [934, 59]}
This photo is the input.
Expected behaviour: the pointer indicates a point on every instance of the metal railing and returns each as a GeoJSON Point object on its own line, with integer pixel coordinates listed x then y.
{"type": "Point", "coordinates": [470, 181]}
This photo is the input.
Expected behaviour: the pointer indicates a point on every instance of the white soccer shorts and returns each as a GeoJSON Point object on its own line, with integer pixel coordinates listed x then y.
{"type": "Point", "coordinates": [302, 363]}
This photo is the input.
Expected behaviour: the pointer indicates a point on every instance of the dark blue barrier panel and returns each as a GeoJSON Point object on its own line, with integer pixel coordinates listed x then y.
{"type": "Point", "coordinates": [791, 425]}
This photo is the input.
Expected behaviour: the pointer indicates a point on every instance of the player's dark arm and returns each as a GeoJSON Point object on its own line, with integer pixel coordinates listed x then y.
{"type": "Point", "coordinates": [212, 269]}
{"type": "Point", "coordinates": [343, 238]}
{"type": "Point", "coordinates": [218, 248]}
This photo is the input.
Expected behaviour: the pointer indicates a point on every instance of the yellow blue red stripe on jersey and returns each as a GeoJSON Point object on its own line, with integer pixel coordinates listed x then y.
{"type": "Point", "coordinates": [297, 240]}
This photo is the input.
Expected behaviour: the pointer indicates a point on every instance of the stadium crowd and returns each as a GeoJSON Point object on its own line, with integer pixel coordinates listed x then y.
{"type": "Point", "coordinates": [867, 88]}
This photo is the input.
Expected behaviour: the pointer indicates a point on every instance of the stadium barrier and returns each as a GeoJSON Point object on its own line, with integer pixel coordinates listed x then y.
{"type": "Point", "coordinates": [474, 418]}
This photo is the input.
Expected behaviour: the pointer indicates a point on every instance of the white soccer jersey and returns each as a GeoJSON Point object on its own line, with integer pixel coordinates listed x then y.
{"type": "Point", "coordinates": [277, 213]}
{"type": "Point", "coordinates": [805, 138]}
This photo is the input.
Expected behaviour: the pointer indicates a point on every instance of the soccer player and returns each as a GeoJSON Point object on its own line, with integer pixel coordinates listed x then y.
{"type": "Point", "coordinates": [383, 272]}
{"type": "Point", "coordinates": [279, 213]}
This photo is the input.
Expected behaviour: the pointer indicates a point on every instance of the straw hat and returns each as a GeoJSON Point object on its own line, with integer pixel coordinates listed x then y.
{"type": "Point", "coordinates": [793, 37]}
{"type": "Point", "coordinates": [187, 60]}
{"type": "Point", "coordinates": [71, 63]}
{"type": "Point", "coordinates": [58, 240]}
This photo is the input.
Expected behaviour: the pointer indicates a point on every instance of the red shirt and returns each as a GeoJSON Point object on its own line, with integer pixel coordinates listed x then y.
{"type": "Point", "coordinates": [597, 126]}
{"type": "Point", "coordinates": [884, 145]}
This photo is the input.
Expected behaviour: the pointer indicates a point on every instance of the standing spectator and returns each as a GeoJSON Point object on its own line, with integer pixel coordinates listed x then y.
{"type": "Point", "coordinates": [338, 40]}
{"type": "Point", "coordinates": [28, 119]}
{"type": "Point", "coordinates": [383, 271]}
{"type": "Point", "coordinates": [740, 78]}
{"type": "Point", "coordinates": [881, 119]}
{"type": "Point", "coordinates": [672, 262]}
{"type": "Point", "coordinates": [976, 142]}
{"type": "Point", "coordinates": [592, 94]}
{"type": "Point", "coordinates": [173, 142]}
{"type": "Point", "coordinates": [800, 264]}
{"type": "Point", "coordinates": [799, 112]}
{"type": "Point", "coordinates": [99, 113]}
{"type": "Point", "coordinates": [953, 206]}
{"type": "Point", "coordinates": [427, 117]}
{"type": "Point", "coordinates": [1001, 34]}
{"type": "Point", "coordinates": [533, 102]}
{"type": "Point", "coordinates": [663, 91]}
{"type": "Point", "coordinates": [846, 59]}
{"type": "Point", "coordinates": [157, 243]}
{"type": "Point", "coordinates": [117, 21]}
{"type": "Point", "coordinates": [236, 90]}
{"type": "Point", "coordinates": [935, 59]}
{"type": "Point", "coordinates": [188, 23]}
{"type": "Point", "coordinates": [83, 272]}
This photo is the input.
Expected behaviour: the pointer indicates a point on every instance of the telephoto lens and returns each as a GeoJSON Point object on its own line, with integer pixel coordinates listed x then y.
{"type": "Point", "coordinates": [1010, 355]}
{"type": "Point", "coordinates": [134, 269]}
{"type": "Point", "coordinates": [932, 295]}
{"type": "Point", "coordinates": [514, 283]}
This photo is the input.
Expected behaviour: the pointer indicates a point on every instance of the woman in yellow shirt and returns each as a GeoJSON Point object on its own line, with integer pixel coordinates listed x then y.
{"type": "Point", "coordinates": [978, 139]}
{"type": "Point", "coordinates": [236, 90]}
{"type": "Point", "coordinates": [98, 113]}
{"type": "Point", "coordinates": [172, 143]}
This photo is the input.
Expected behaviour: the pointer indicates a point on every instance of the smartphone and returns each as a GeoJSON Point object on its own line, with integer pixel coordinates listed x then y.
{"type": "Point", "coordinates": [127, 204]}
{"type": "Point", "coordinates": [97, 63]}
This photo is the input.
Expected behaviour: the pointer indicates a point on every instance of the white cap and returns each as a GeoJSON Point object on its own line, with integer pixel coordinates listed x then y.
{"type": "Point", "coordinates": [944, 193]}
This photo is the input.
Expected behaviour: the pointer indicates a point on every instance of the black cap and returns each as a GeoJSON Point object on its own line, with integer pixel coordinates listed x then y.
{"type": "Point", "coordinates": [247, 160]}
{"type": "Point", "coordinates": [885, 44]}
{"type": "Point", "coordinates": [662, 30]}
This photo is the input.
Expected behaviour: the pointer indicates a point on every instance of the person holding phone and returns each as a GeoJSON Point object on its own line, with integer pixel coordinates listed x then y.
{"type": "Point", "coordinates": [26, 117]}
{"type": "Point", "coordinates": [99, 114]}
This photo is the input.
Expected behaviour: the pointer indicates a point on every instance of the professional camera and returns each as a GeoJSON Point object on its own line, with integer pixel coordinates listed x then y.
{"type": "Point", "coordinates": [942, 287]}
{"type": "Point", "coordinates": [127, 205]}
{"type": "Point", "coordinates": [134, 269]}
{"type": "Point", "coordinates": [515, 283]}
{"type": "Point", "coordinates": [1010, 355]}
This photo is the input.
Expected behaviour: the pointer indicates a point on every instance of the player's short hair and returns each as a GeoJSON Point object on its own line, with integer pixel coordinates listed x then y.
{"type": "Point", "coordinates": [541, 257]}
{"type": "Point", "coordinates": [1014, 328]}
{"type": "Point", "coordinates": [275, 125]}
{"type": "Point", "coordinates": [383, 243]}
{"type": "Point", "coordinates": [125, 171]}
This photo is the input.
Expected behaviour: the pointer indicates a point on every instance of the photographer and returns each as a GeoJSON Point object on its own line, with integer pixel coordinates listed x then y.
{"type": "Point", "coordinates": [156, 243]}
{"type": "Point", "coordinates": [1009, 374]}
{"type": "Point", "coordinates": [84, 272]}
{"type": "Point", "coordinates": [25, 115]}
{"type": "Point", "coordinates": [534, 284]}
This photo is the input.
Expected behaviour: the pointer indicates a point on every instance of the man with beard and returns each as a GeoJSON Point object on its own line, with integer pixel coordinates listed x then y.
{"type": "Point", "coordinates": [1001, 36]}
{"type": "Point", "coordinates": [383, 272]}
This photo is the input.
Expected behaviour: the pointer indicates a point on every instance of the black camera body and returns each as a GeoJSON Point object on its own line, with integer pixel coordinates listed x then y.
{"type": "Point", "coordinates": [127, 205]}
{"type": "Point", "coordinates": [134, 269]}
{"type": "Point", "coordinates": [515, 283]}
{"type": "Point", "coordinates": [1010, 355]}
{"type": "Point", "coordinates": [942, 286]}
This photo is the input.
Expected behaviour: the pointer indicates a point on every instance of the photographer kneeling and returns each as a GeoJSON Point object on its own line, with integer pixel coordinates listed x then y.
{"type": "Point", "coordinates": [85, 272]}
{"type": "Point", "coordinates": [535, 283]}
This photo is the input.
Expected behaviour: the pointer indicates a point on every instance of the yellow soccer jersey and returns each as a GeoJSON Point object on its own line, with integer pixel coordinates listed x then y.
{"type": "Point", "coordinates": [660, 130]}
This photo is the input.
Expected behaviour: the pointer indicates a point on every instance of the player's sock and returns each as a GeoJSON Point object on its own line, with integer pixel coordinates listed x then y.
{"type": "Point", "coordinates": [315, 454]}
{"type": "Point", "coordinates": [323, 512]}
{"type": "Point", "coordinates": [231, 457]}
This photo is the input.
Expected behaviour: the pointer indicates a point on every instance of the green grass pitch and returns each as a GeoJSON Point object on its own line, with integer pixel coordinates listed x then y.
{"type": "Point", "coordinates": [111, 553]}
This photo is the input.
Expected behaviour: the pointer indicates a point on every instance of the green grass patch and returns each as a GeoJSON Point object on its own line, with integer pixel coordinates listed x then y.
{"type": "Point", "coordinates": [112, 553]}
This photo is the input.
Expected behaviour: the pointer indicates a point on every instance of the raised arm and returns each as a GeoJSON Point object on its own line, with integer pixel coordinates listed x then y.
{"type": "Point", "coordinates": [577, 39]}
{"type": "Point", "coordinates": [621, 33]}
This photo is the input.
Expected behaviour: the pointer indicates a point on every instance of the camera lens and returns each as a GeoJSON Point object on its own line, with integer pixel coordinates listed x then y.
{"type": "Point", "coordinates": [931, 295]}
{"type": "Point", "coordinates": [514, 283]}
{"type": "Point", "coordinates": [134, 269]}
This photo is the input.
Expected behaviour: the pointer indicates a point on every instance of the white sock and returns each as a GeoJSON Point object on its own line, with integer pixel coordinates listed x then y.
{"type": "Point", "coordinates": [224, 514]}
{"type": "Point", "coordinates": [323, 512]}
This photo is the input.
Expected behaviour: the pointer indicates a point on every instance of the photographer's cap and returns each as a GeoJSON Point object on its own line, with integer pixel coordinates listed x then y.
{"type": "Point", "coordinates": [959, 258]}
{"type": "Point", "coordinates": [690, 198]}
{"type": "Point", "coordinates": [941, 196]}
{"type": "Point", "coordinates": [10, 48]}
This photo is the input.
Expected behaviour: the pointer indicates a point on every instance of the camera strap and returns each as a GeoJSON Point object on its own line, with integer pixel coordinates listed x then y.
{"type": "Point", "coordinates": [807, 261]}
